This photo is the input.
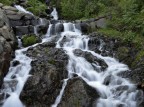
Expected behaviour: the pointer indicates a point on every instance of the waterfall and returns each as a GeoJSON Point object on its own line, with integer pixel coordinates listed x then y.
{"type": "Point", "coordinates": [54, 14]}
{"type": "Point", "coordinates": [20, 8]}
{"type": "Point", "coordinates": [110, 95]}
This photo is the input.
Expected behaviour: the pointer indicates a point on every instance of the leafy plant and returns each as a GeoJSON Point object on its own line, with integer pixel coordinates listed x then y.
{"type": "Point", "coordinates": [36, 7]}
{"type": "Point", "coordinates": [28, 40]}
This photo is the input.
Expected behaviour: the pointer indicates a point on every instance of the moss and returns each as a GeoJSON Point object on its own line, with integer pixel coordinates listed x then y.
{"type": "Point", "coordinates": [36, 7]}
{"type": "Point", "coordinates": [128, 37]}
{"type": "Point", "coordinates": [28, 40]}
{"type": "Point", "coordinates": [139, 58]}
{"type": "Point", "coordinates": [7, 2]}
{"type": "Point", "coordinates": [122, 52]}
{"type": "Point", "coordinates": [52, 61]}
{"type": "Point", "coordinates": [110, 32]}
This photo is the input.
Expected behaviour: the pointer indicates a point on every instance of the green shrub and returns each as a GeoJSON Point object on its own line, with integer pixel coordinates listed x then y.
{"type": "Point", "coordinates": [28, 40]}
{"type": "Point", "coordinates": [36, 7]}
{"type": "Point", "coordinates": [7, 2]}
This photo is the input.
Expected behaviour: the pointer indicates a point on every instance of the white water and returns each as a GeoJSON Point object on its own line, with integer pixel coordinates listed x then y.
{"type": "Point", "coordinates": [20, 8]}
{"type": "Point", "coordinates": [19, 74]}
{"type": "Point", "coordinates": [54, 14]}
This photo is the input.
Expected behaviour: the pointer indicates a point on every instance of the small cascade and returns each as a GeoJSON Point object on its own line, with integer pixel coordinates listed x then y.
{"type": "Point", "coordinates": [19, 75]}
{"type": "Point", "coordinates": [54, 14]}
{"type": "Point", "coordinates": [20, 8]}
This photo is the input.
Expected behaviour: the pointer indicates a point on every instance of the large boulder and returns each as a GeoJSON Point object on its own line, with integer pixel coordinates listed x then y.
{"type": "Point", "coordinates": [49, 68]}
{"type": "Point", "coordinates": [78, 94]}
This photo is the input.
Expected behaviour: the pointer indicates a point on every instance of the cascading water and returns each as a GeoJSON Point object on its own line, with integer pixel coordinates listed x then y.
{"type": "Point", "coordinates": [111, 95]}
{"type": "Point", "coordinates": [54, 14]}
{"type": "Point", "coordinates": [20, 8]}
{"type": "Point", "coordinates": [119, 91]}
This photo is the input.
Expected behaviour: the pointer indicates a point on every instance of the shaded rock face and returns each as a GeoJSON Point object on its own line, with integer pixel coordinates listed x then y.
{"type": "Point", "coordinates": [7, 44]}
{"type": "Point", "coordinates": [48, 71]}
{"type": "Point", "coordinates": [78, 94]}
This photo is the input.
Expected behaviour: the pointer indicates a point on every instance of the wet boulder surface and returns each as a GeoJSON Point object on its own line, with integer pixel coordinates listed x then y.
{"type": "Point", "coordinates": [78, 94]}
{"type": "Point", "coordinates": [47, 74]}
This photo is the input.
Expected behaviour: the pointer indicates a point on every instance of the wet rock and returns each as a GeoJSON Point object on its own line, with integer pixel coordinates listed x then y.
{"type": "Point", "coordinates": [48, 71]}
{"type": "Point", "coordinates": [92, 59]}
{"type": "Point", "coordinates": [59, 28]}
{"type": "Point", "coordinates": [78, 94]}
{"type": "Point", "coordinates": [14, 23]}
{"type": "Point", "coordinates": [15, 63]}
{"type": "Point", "coordinates": [85, 28]}
{"type": "Point", "coordinates": [42, 29]}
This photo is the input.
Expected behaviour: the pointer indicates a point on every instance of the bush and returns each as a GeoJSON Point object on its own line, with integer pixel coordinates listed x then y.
{"type": "Point", "coordinates": [36, 7]}
{"type": "Point", "coordinates": [7, 2]}
{"type": "Point", "coordinates": [28, 40]}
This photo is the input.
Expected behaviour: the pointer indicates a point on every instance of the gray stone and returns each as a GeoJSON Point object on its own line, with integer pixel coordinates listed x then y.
{"type": "Point", "coordinates": [3, 17]}
{"type": "Point", "coordinates": [21, 30]}
{"type": "Point", "coordinates": [9, 8]}
{"type": "Point", "coordinates": [5, 32]}
{"type": "Point", "coordinates": [14, 17]}
{"type": "Point", "coordinates": [78, 94]}
{"type": "Point", "coordinates": [1, 23]}
{"type": "Point", "coordinates": [1, 5]}
{"type": "Point", "coordinates": [28, 17]}
{"type": "Point", "coordinates": [1, 48]}
{"type": "Point", "coordinates": [101, 23]}
{"type": "Point", "coordinates": [15, 23]}
{"type": "Point", "coordinates": [10, 12]}
{"type": "Point", "coordinates": [48, 70]}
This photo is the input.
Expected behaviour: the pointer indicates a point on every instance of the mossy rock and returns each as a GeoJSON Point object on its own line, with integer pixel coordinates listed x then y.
{"type": "Point", "coordinates": [122, 52]}
{"type": "Point", "coordinates": [139, 58]}
{"type": "Point", "coordinates": [29, 40]}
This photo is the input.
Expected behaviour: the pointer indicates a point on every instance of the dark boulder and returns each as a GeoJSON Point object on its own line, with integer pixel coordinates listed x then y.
{"type": "Point", "coordinates": [48, 71]}
{"type": "Point", "coordinates": [78, 94]}
{"type": "Point", "coordinates": [85, 28]}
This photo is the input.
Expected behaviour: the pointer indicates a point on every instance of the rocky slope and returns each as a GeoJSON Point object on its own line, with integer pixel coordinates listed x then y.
{"type": "Point", "coordinates": [7, 44]}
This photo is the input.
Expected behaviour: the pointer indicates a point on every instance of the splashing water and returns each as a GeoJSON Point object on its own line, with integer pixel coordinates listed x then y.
{"type": "Point", "coordinates": [20, 8]}
{"type": "Point", "coordinates": [54, 14]}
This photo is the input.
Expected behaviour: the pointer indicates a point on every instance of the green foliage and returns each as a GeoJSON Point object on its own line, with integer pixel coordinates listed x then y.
{"type": "Point", "coordinates": [7, 2]}
{"type": "Point", "coordinates": [28, 40]}
{"type": "Point", "coordinates": [73, 9]}
{"type": "Point", "coordinates": [125, 36]}
{"type": "Point", "coordinates": [36, 7]}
